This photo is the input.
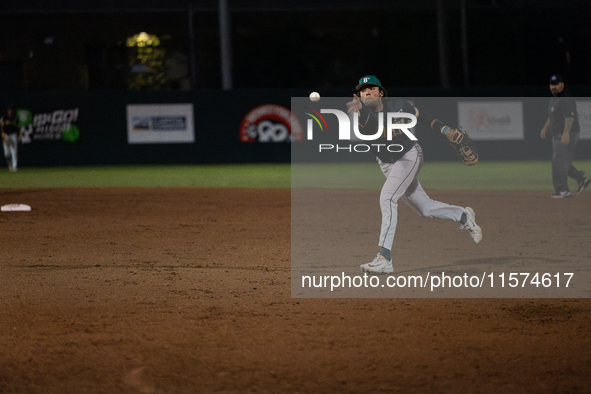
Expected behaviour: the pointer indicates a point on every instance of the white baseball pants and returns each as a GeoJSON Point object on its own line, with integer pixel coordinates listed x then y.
{"type": "Point", "coordinates": [10, 144]}
{"type": "Point", "coordinates": [401, 181]}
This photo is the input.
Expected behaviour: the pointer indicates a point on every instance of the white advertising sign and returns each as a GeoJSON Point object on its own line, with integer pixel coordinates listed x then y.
{"type": "Point", "coordinates": [160, 123]}
{"type": "Point", "coordinates": [584, 111]}
{"type": "Point", "coordinates": [492, 120]}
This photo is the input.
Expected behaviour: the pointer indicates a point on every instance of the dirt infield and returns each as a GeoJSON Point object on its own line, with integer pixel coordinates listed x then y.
{"type": "Point", "coordinates": [188, 291]}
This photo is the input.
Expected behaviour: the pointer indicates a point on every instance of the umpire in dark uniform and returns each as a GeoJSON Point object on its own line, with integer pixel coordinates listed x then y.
{"type": "Point", "coordinates": [563, 125]}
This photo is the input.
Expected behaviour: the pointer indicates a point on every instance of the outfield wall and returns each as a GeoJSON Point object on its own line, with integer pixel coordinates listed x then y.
{"type": "Point", "coordinates": [224, 127]}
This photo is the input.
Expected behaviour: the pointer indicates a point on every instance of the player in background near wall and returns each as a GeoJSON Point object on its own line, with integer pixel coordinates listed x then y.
{"type": "Point", "coordinates": [563, 125]}
{"type": "Point", "coordinates": [10, 131]}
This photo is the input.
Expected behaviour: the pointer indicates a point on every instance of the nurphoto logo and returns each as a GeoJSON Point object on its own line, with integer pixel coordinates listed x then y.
{"type": "Point", "coordinates": [397, 123]}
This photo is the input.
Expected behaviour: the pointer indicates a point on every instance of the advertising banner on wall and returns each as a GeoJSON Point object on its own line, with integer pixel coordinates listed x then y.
{"type": "Point", "coordinates": [160, 123]}
{"type": "Point", "coordinates": [48, 126]}
{"type": "Point", "coordinates": [270, 123]}
{"type": "Point", "coordinates": [492, 120]}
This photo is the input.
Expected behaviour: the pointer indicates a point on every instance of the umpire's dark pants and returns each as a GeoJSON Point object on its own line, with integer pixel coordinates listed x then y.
{"type": "Point", "coordinates": [562, 168]}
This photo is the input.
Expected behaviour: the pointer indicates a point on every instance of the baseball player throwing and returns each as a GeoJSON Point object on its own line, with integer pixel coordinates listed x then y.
{"type": "Point", "coordinates": [401, 168]}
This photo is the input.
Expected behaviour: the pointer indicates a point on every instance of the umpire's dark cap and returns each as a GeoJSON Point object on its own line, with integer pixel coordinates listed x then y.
{"type": "Point", "coordinates": [368, 80]}
{"type": "Point", "coordinates": [555, 79]}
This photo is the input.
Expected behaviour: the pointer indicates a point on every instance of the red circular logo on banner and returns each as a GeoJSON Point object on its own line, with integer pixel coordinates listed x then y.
{"type": "Point", "coordinates": [270, 123]}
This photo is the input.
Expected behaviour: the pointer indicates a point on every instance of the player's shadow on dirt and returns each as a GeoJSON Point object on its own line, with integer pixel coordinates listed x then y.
{"type": "Point", "coordinates": [508, 261]}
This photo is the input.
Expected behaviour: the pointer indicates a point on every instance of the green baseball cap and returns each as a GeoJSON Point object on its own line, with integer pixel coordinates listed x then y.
{"type": "Point", "coordinates": [368, 80]}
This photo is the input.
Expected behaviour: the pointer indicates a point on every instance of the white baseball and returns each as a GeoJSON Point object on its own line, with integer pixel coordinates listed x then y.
{"type": "Point", "coordinates": [314, 96]}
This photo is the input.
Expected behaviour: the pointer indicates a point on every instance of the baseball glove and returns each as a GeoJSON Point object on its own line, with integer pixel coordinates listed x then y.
{"type": "Point", "coordinates": [466, 148]}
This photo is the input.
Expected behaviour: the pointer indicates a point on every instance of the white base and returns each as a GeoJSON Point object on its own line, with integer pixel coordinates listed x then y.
{"type": "Point", "coordinates": [15, 207]}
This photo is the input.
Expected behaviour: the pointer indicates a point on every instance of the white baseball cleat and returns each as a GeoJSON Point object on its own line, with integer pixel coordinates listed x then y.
{"type": "Point", "coordinates": [473, 228]}
{"type": "Point", "coordinates": [379, 265]}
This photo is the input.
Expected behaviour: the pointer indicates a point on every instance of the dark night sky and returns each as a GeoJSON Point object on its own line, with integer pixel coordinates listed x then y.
{"type": "Point", "coordinates": [318, 44]}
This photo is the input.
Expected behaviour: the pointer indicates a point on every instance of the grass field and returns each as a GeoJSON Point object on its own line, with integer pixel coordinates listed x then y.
{"type": "Point", "coordinates": [243, 175]}
{"type": "Point", "coordinates": [526, 175]}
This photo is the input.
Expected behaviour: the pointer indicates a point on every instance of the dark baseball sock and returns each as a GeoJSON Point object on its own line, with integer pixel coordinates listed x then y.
{"type": "Point", "coordinates": [463, 219]}
{"type": "Point", "coordinates": [386, 253]}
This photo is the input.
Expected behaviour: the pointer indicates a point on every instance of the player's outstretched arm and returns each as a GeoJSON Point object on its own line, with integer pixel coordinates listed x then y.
{"type": "Point", "coordinates": [431, 122]}
{"type": "Point", "coordinates": [354, 105]}
{"type": "Point", "coordinates": [460, 141]}
{"type": "Point", "coordinates": [453, 135]}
